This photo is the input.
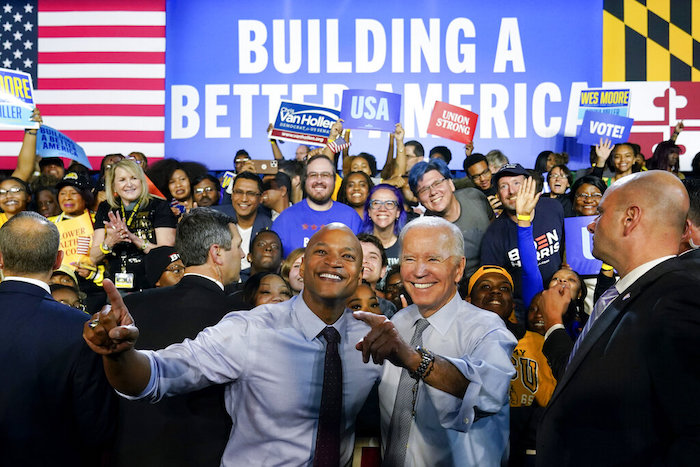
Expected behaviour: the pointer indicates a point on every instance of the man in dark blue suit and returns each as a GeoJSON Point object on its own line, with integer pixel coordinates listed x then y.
{"type": "Point", "coordinates": [56, 407]}
{"type": "Point", "coordinates": [628, 394]}
{"type": "Point", "coordinates": [190, 429]}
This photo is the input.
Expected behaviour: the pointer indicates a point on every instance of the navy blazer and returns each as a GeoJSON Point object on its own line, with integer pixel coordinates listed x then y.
{"type": "Point", "coordinates": [56, 406]}
{"type": "Point", "coordinates": [186, 430]}
{"type": "Point", "coordinates": [629, 395]}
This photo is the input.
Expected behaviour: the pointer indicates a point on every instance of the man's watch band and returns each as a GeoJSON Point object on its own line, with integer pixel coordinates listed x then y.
{"type": "Point", "coordinates": [427, 357]}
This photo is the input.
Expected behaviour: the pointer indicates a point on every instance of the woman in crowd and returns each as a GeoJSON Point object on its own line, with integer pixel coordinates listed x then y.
{"type": "Point", "coordinates": [180, 191]}
{"type": "Point", "coordinates": [129, 225]}
{"type": "Point", "coordinates": [290, 270]}
{"type": "Point", "coordinates": [559, 179]}
{"type": "Point", "coordinates": [364, 299]}
{"type": "Point", "coordinates": [586, 194]}
{"type": "Point", "coordinates": [354, 190]}
{"type": "Point", "coordinates": [14, 198]}
{"type": "Point", "coordinates": [266, 288]}
{"type": "Point", "coordinates": [384, 218]}
{"type": "Point", "coordinates": [666, 157]}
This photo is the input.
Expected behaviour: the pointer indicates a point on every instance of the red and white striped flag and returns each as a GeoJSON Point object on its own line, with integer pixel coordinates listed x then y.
{"type": "Point", "coordinates": [100, 72]}
{"type": "Point", "coordinates": [83, 245]}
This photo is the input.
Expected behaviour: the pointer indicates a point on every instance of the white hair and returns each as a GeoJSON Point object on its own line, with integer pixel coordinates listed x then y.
{"type": "Point", "coordinates": [456, 244]}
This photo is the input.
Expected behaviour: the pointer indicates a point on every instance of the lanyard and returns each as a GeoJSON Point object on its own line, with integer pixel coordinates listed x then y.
{"type": "Point", "coordinates": [131, 216]}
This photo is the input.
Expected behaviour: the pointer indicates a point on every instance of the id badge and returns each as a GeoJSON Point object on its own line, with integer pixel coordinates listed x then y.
{"type": "Point", "coordinates": [124, 280]}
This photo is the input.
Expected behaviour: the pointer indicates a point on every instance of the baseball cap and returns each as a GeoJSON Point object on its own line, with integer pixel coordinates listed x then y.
{"type": "Point", "coordinates": [510, 170]}
{"type": "Point", "coordinates": [157, 260]}
{"type": "Point", "coordinates": [486, 269]}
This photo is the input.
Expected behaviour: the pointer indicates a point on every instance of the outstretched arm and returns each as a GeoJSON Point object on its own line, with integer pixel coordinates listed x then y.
{"type": "Point", "coordinates": [27, 153]}
{"type": "Point", "coordinates": [112, 334]}
{"type": "Point", "coordinates": [383, 342]}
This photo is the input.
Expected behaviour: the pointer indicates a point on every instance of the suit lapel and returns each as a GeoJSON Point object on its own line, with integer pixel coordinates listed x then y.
{"type": "Point", "coordinates": [610, 316]}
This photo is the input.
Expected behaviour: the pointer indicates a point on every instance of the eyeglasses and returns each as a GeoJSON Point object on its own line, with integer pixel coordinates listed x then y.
{"type": "Point", "coordinates": [389, 204]}
{"type": "Point", "coordinates": [326, 175]}
{"type": "Point", "coordinates": [557, 176]}
{"type": "Point", "coordinates": [433, 186]}
{"type": "Point", "coordinates": [14, 190]}
{"type": "Point", "coordinates": [177, 270]}
{"type": "Point", "coordinates": [481, 175]}
{"type": "Point", "coordinates": [249, 194]}
{"type": "Point", "coordinates": [586, 196]}
{"type": "Point", "coordinates": [199, 191]}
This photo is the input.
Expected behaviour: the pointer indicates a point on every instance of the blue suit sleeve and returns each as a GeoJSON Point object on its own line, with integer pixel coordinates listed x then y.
{"type": "Point", "coordinates": [532, 278]}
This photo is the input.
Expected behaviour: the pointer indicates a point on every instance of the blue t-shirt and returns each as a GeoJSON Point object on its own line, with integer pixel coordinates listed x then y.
{"type": "Point", "coordinates": [297, 224]}
{"type": "Point", "coordinates": [500, 244]}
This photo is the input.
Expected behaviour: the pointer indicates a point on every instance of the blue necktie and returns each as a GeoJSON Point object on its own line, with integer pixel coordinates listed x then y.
{"type": "Point", "coordinates": [600, 306]}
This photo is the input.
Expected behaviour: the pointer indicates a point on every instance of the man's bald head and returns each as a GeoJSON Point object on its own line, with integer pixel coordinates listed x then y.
{"type": "Point", "coordinates": [29, 244]}
{"type": "Point", "coordinates": [641, 218]}
{"type": "Point", "coordinates": [660, 194]}
{"type": "Point", "coordinates": [343, 231]}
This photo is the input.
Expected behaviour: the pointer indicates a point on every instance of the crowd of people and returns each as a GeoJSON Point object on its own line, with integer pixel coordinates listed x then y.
{"type": "Point", "coordinates": [313, 314]}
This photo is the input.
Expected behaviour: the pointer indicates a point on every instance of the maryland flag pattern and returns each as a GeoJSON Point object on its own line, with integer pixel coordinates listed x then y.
{"type": "Point", "coordinates": [652, 40]}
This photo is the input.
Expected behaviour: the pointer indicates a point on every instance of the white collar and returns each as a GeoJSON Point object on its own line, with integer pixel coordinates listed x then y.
{"type": "Point", "coordinates": [638, 272]}
{"type": "Point", "coordinates": [28, 280]}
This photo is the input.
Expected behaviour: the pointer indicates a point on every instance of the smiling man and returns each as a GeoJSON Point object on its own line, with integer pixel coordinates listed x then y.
{"type": "Point", "coordinates": [246, 195]}
{"type": "Point", "coordinates": [491, 288]}
{"type": "Point", "coordinates": [453, 410]}
{"type": "Point", "coordinates": [467, 208]}
{"type": "Point", "coordinates": [500, 246]}
{"type": "Point", "coordinates": [289, 400]}
{"type": "Point", "coordinates": [296, 224]}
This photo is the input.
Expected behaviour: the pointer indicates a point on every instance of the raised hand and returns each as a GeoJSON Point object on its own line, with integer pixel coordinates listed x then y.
{"type": "Point", "coordinates": [468, 148]}
{"type": "Point", "coordinates": [603, 150]}
{"type": "Point", "coordinates": [399, 132]}
{"type": "Point", "coordinates": [111, 331]}
{"type": "Point", "coordinates": [527, 198]}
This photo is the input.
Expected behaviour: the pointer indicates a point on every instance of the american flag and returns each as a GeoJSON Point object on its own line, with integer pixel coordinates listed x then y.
{"type": "Point", "coordinates": [98, 69]}
{"type": "Point", "coordinates": [83, 245]}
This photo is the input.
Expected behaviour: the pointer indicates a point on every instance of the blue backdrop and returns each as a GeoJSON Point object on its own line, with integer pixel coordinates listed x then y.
{"type": "Point", "coordinates": [228, 64]}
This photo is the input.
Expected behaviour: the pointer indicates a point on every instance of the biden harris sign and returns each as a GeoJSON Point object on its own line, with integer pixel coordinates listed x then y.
{"type": "Point", "coordinates": [520, 67]}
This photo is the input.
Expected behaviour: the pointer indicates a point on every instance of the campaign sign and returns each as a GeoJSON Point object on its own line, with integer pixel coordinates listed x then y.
{"type": "Point", "coordinates": [609, 101]}
{"type": "Point", "coordinates": [53, 143]}
{"type": "Point", "coordinates": [597, 125]}
{"type": "Point", "coordinates": [579, 246]}
{"type": "Point", "coordinates": [303, 123]}
{"type": "Point", "coordinates": [76, 234]}
{"type": "Point", "coordinates": [370, 110]}
{"type": "Point", "coordinates": [452, 122]}
{"type": "Point", "coordinates": [16, 100]}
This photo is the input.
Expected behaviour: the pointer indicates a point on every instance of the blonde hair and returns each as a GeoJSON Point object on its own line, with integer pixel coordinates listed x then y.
{"type": "Point", "coordinates": [288, 262]}
{"type": "Point", "coordinates": [134, 169]}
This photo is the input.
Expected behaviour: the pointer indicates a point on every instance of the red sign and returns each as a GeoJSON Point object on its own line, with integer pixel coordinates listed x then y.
{"type": "Point", "coordinates": [452, 122]}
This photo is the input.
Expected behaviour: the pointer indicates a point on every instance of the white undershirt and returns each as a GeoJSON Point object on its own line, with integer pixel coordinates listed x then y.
{"type": "Point", "coordinates": [245, 245]}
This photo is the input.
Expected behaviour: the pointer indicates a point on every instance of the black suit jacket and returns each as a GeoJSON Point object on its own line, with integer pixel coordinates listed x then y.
{"type": "Point", "coordinates": [186, 430]}
{"type": "Point", "coordinates": [629, 396]}
{"type": "Point", "coordinates": [56, 407]}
